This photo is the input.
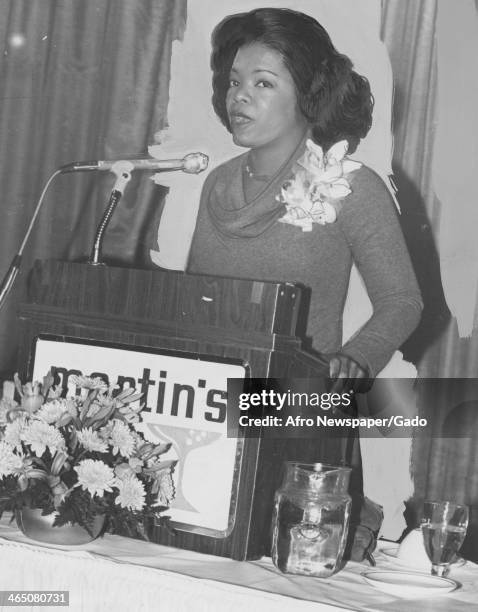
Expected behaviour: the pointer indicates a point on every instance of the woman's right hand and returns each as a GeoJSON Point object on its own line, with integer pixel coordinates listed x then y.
{"type": "Point", "coordinates": [347, 374]}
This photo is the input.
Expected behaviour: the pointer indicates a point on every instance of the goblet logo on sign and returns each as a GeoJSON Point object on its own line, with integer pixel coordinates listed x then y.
{"type": "Point", "coordinates": [184, 442]}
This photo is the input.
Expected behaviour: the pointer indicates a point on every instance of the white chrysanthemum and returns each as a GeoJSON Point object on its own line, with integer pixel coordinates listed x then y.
{"type": "Point", "coordinates": [13, 432]}
{"type": "Point", "coordinates": [51, 412]}
{"type": "Point", "coordinates": [39, 435]}
{"type": "Point", "coordinates": [9, 461]}
{"type": "Point", "coordinates": [121, 439]}
{"type": "Point", "coordinates": [91, 441]}
{"type": "Point", "coordinates": [131, 493]}
{"type": "Point", "coordinates": [95, 476]}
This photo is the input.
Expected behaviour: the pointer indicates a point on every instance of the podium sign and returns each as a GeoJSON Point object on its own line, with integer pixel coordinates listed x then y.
{"type": "Point", "coordinates": [185, 400]}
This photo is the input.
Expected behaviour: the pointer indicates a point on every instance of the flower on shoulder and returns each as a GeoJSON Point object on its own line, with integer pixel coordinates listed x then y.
{"type": "Point", "coordinates": [319, 184]}
{"type": "Point", "coordinates": [91, 440]}
{"type": "Point", "coordinates": [40, 436]}
{"type": "Point", "coordinates": [328, 167]}
{"type": "Point", "coordinates": [95, 476]}
{"type": "Point", "coordinates": [131, 492]}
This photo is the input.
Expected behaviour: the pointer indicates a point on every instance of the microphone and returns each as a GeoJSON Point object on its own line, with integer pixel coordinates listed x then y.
{"type": "Point", "coordinates": [193, 163]}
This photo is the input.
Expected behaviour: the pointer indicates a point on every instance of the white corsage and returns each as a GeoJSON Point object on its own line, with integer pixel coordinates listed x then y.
{"type": "Point", "coordinates": [318, 185]}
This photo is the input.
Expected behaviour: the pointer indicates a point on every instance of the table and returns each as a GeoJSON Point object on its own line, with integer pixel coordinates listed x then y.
{"type": "Point", "coordinates": [117, 573]}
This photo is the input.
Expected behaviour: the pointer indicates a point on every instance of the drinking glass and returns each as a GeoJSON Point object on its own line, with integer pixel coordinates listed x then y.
{"type": "Point", "coordinates": [444, 527]}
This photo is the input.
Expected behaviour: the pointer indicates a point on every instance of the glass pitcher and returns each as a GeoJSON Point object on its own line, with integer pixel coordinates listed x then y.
{"type": "Point", "coordinates": [311, 519]}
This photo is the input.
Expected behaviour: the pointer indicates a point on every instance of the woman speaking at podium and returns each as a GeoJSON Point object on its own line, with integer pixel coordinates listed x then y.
{"type": "Point", "coordinates": [294, 207]}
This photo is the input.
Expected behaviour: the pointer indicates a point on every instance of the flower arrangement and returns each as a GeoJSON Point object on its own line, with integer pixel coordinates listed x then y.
{"type": "Point", "coordinates": [82, 456]}
{"type": "Point", "coordinates": [318, 185]}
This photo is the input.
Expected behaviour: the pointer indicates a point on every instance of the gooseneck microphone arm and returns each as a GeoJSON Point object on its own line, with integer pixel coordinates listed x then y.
{"type": "Point", "coordinates": [122, 169]}
{"type": "Point", "coordinates": [193, 163]}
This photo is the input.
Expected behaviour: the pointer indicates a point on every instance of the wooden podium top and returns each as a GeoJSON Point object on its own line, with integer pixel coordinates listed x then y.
{"type": "Point", "coordinates": [168, 296]}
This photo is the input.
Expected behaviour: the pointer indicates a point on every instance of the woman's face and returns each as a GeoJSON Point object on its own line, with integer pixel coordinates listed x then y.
{"type": "Point", "coordinates": [261, 100]}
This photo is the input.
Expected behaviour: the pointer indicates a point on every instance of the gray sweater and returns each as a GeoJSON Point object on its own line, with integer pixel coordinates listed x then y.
{"type": "Point", "coordinates": [366, 232]}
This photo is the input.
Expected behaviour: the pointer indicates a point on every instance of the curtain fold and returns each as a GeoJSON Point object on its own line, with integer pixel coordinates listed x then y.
{"type": "Point", "coordinates": [444, 463]}
{"type": "Point", "coordinates": [80, 80]}
{"type": "Point", "coordinates": [408, 29]}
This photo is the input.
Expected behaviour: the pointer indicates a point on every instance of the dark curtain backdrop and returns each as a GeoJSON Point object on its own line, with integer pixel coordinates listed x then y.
{"type": "Point", "coordinates": [79, 80]}
{"type": "Point", "coordinates": [444, 465]}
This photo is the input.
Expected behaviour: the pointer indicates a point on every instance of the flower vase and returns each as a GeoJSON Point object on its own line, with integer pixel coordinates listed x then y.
{"type": "Point", "coordinates": [40, 527]}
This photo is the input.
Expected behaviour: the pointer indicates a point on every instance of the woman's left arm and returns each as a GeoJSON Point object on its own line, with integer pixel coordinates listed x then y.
{"type": "Point", "coordinates": [368, 219]}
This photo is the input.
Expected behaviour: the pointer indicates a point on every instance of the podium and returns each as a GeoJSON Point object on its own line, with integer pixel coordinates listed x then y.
{"type": "Point", "coordinates": [204, 319]}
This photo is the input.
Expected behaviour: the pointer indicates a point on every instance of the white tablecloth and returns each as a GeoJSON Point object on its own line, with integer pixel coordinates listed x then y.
{"type": "Point", "coordinates": [116, 573]}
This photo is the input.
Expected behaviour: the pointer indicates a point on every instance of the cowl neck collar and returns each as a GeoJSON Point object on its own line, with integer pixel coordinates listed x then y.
{"type": "Point", "coordinates": [233, 216]}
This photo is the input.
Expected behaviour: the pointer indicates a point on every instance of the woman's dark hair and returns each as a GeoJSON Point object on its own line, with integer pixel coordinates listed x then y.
{"type": "Point", "coordinates": [335, 100]}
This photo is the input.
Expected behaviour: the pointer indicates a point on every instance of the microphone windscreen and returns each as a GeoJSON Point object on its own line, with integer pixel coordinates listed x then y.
{"type": "Point", "coordinates": [194, 163]}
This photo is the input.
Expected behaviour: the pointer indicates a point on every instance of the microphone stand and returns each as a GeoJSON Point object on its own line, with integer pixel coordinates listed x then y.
{"type": "Point", "coordinates": [9, 278]}
{"type": "Point", "coordinates": [122, 170]}
{"type": "Point", "coordinates": [191, 164]}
